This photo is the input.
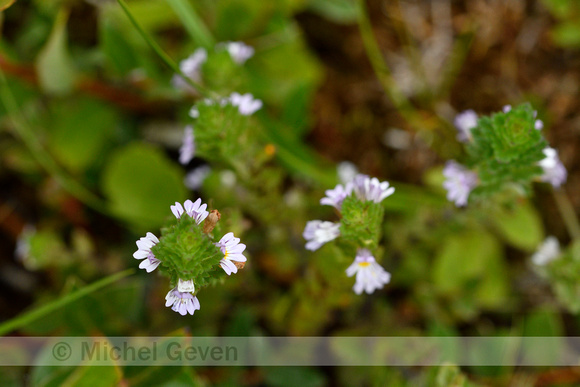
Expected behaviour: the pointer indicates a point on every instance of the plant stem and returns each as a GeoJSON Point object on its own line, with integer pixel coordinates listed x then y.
{"type": "Point", "coordinates": [380, 68]}
{"type": "Point", "coordinates": [567, 212]}
{"type": "Point", "coordinates": [30, 139]}
{"type": "Point", "coordinates": [423, 121]}
{"type": "Point", "coordinates": [192, 23]}
{"type": "Point", "coordinates": [159, 51]}
{"type": "Point", "coordinates": [35, 314]}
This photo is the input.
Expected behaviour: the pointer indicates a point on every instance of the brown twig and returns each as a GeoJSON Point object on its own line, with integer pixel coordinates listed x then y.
{"type": "Point", "coordinates": [121, 97]}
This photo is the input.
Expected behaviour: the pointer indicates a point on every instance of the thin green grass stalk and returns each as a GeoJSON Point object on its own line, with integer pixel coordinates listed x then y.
{"type": "Point", "coordinates": [35, 314]}
{"type": "Point", "coordinates": [159, 51]}
{"type": "Point", "coordinates": [418, 120]}
{"type": "Point", "coordinates": [567, 212]}
{"type": "Point", "coordinates": [411, 48]}
{"type": "Point", "coordinates": [25, 132]}
{"type": "Point", "coordinates": [455, 63]}
{"type": "Point", "coordinates": [192, 23]}
{"type": "Point", "coordinates": [381, 69]}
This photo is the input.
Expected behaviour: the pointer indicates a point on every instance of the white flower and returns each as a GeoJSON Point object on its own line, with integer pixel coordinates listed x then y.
{"type": "Point", "coordinates": [464, 122]}
{"type": "Point", "coordinates": [144, 245]}
{"type": "Point", "coordinates": [22, 250]}
{"type": "Point", "coordinates": [246, 103]}
{"type": "Point", "coordinates": [318, 233]}
{"type": "Point", "coordinates": [194, 111]}
{"type": "Point", "coordinates": [185, 286]}
{"type": "Point", "coordinates": [195, 210]}
{"type": "Point", "coordinates": [372, 189]}
{"type": "Point", "coordinates": [194, 179]}
{"type": "Point", "coordinates": [554, 171]}
{"type": "Point", "coordinates": [177, 210]}
{"type": "Point", "coordinates": [187, 150]}
{"type": "Point", "coordinates": [369, 274]}
{"type": "Point", "coordinates": [191, 68]}
{"type": "Point", "coordinates": [239, 51]}
{"type": "Point", "coordinates": [232, 249]}
{"type": "Point", "coordinates": [460, 181]}
{"type": "Point", "coordinates": [548, 251]}
{"type": "Point", "coordinates": [182, 302]}
{"type": "Point", "coordinates": [346, 171]}
{"type": "Point", "coordinates": [335, 197]}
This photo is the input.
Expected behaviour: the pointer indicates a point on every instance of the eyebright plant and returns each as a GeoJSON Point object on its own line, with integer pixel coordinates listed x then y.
{"type": "Point", "coordinates": [187, 254]}
{"type": "Point", "coordinates": [505, 151]}
{"type": "Point", "coordinates": [561, 268]}
{"type": "Point", "coordinates": [358, 203]}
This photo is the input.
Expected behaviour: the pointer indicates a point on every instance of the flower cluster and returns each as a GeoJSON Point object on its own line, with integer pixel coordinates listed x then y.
{"type": "Point", "coordinates": [239, 51]}
{"type": "Point", "coordinates": [187, 150]}
{"type": "Point", "coordinates": [464, 122]}
{"type": "Point", "coordinates": [554, 171]}
{"type": "Point", "coordinates": [191, 67]}
{"type": "Point", "coordinates": [505, 148]}
{"type": "Point", "coordinates": [246, 104]}
{"type": "Point", "coordinates": [187, 254]}
{"type": "Point", "coordinates": [365, 188]}
{"type": "Point", "coordinates": [369, 274]}
{"type": "Point", "coordinates": [459, 182]}
{"type": "Point", "coordinates": [364, 195]}
{"type": "Point", "coordinates": [547, 252]}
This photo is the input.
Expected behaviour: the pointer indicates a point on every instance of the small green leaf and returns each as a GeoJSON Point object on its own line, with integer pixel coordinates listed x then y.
{"type": "Point", "coordinates": [339, 11]}
{"type": "Point", "coordinates": [239, 19]}
{"type": "Point", "coordinates": [187, 253]}
{"type": "Point", "coordinates": [120, 55]}
{"type": "Point", "coordinates": [470, 268]}
{"type": "Point", "coordinates": [567, 34]}
{"type": "Point", "coordinates": [361, 222]}
{"type": "Point", "coordinates": [105, 373]}
{"type": "Point", "coordinates": [543, 323]}
{"type": "Point", "coordinates": [141, 183]}
{"type": "Point", "coordinates": [80, 131]}
{"type": "Point", "coordinates": [47, 308]}
{"type": "Point", "coordinates": [276, 79]}
{"type": "Point", "coordinates": [505, 152]}
{"type": "Point", "coordinates": [520, 226]}
{"type": "Point", "coordinates": [194, 25]}
{"type": "Point", "coordinates": [559, 8]}
{"type": "Point", "coordinates": [56, 72]}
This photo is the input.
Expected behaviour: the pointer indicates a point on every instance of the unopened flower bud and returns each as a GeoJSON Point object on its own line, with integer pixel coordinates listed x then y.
{"type": "Point", "coordinates": [240, 265]}
{"type": "Point", "coordinates": [210, 222]}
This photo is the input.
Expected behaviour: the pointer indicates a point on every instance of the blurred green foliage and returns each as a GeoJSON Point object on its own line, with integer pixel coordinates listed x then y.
{"type": "Point", "coordinates": [103, 108]}
{"type": "Point", "coordinates": [566, 32]}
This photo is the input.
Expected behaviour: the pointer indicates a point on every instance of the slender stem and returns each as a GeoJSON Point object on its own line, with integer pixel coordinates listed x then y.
{"type": "Point", "coordinates": [567, 212]}
{"type": "Point", "coordinates": [381, 69]}
{"type": "Point", "coordinates": [35, 314]}
{"type": "Point", "coordinates": [26, 133]}
{"type": "Point", "coordinates": [454, 63]}
{"type": "Point", "coordinates": [159, 51]}
{"type": "Point", "coordinates": [192, 22]}
{"type": "Point", "coordinates": [410, 47]}
{"type": "Point", "coordinates": [425, 122]}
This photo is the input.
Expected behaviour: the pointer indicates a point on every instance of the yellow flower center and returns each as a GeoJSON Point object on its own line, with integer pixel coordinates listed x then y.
{"type": "Point", "coordinates": [364, 264]}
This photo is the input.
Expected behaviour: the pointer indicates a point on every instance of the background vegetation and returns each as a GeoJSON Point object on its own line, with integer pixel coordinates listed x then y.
{"type": "Point", "coordinates": [90, 127]}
